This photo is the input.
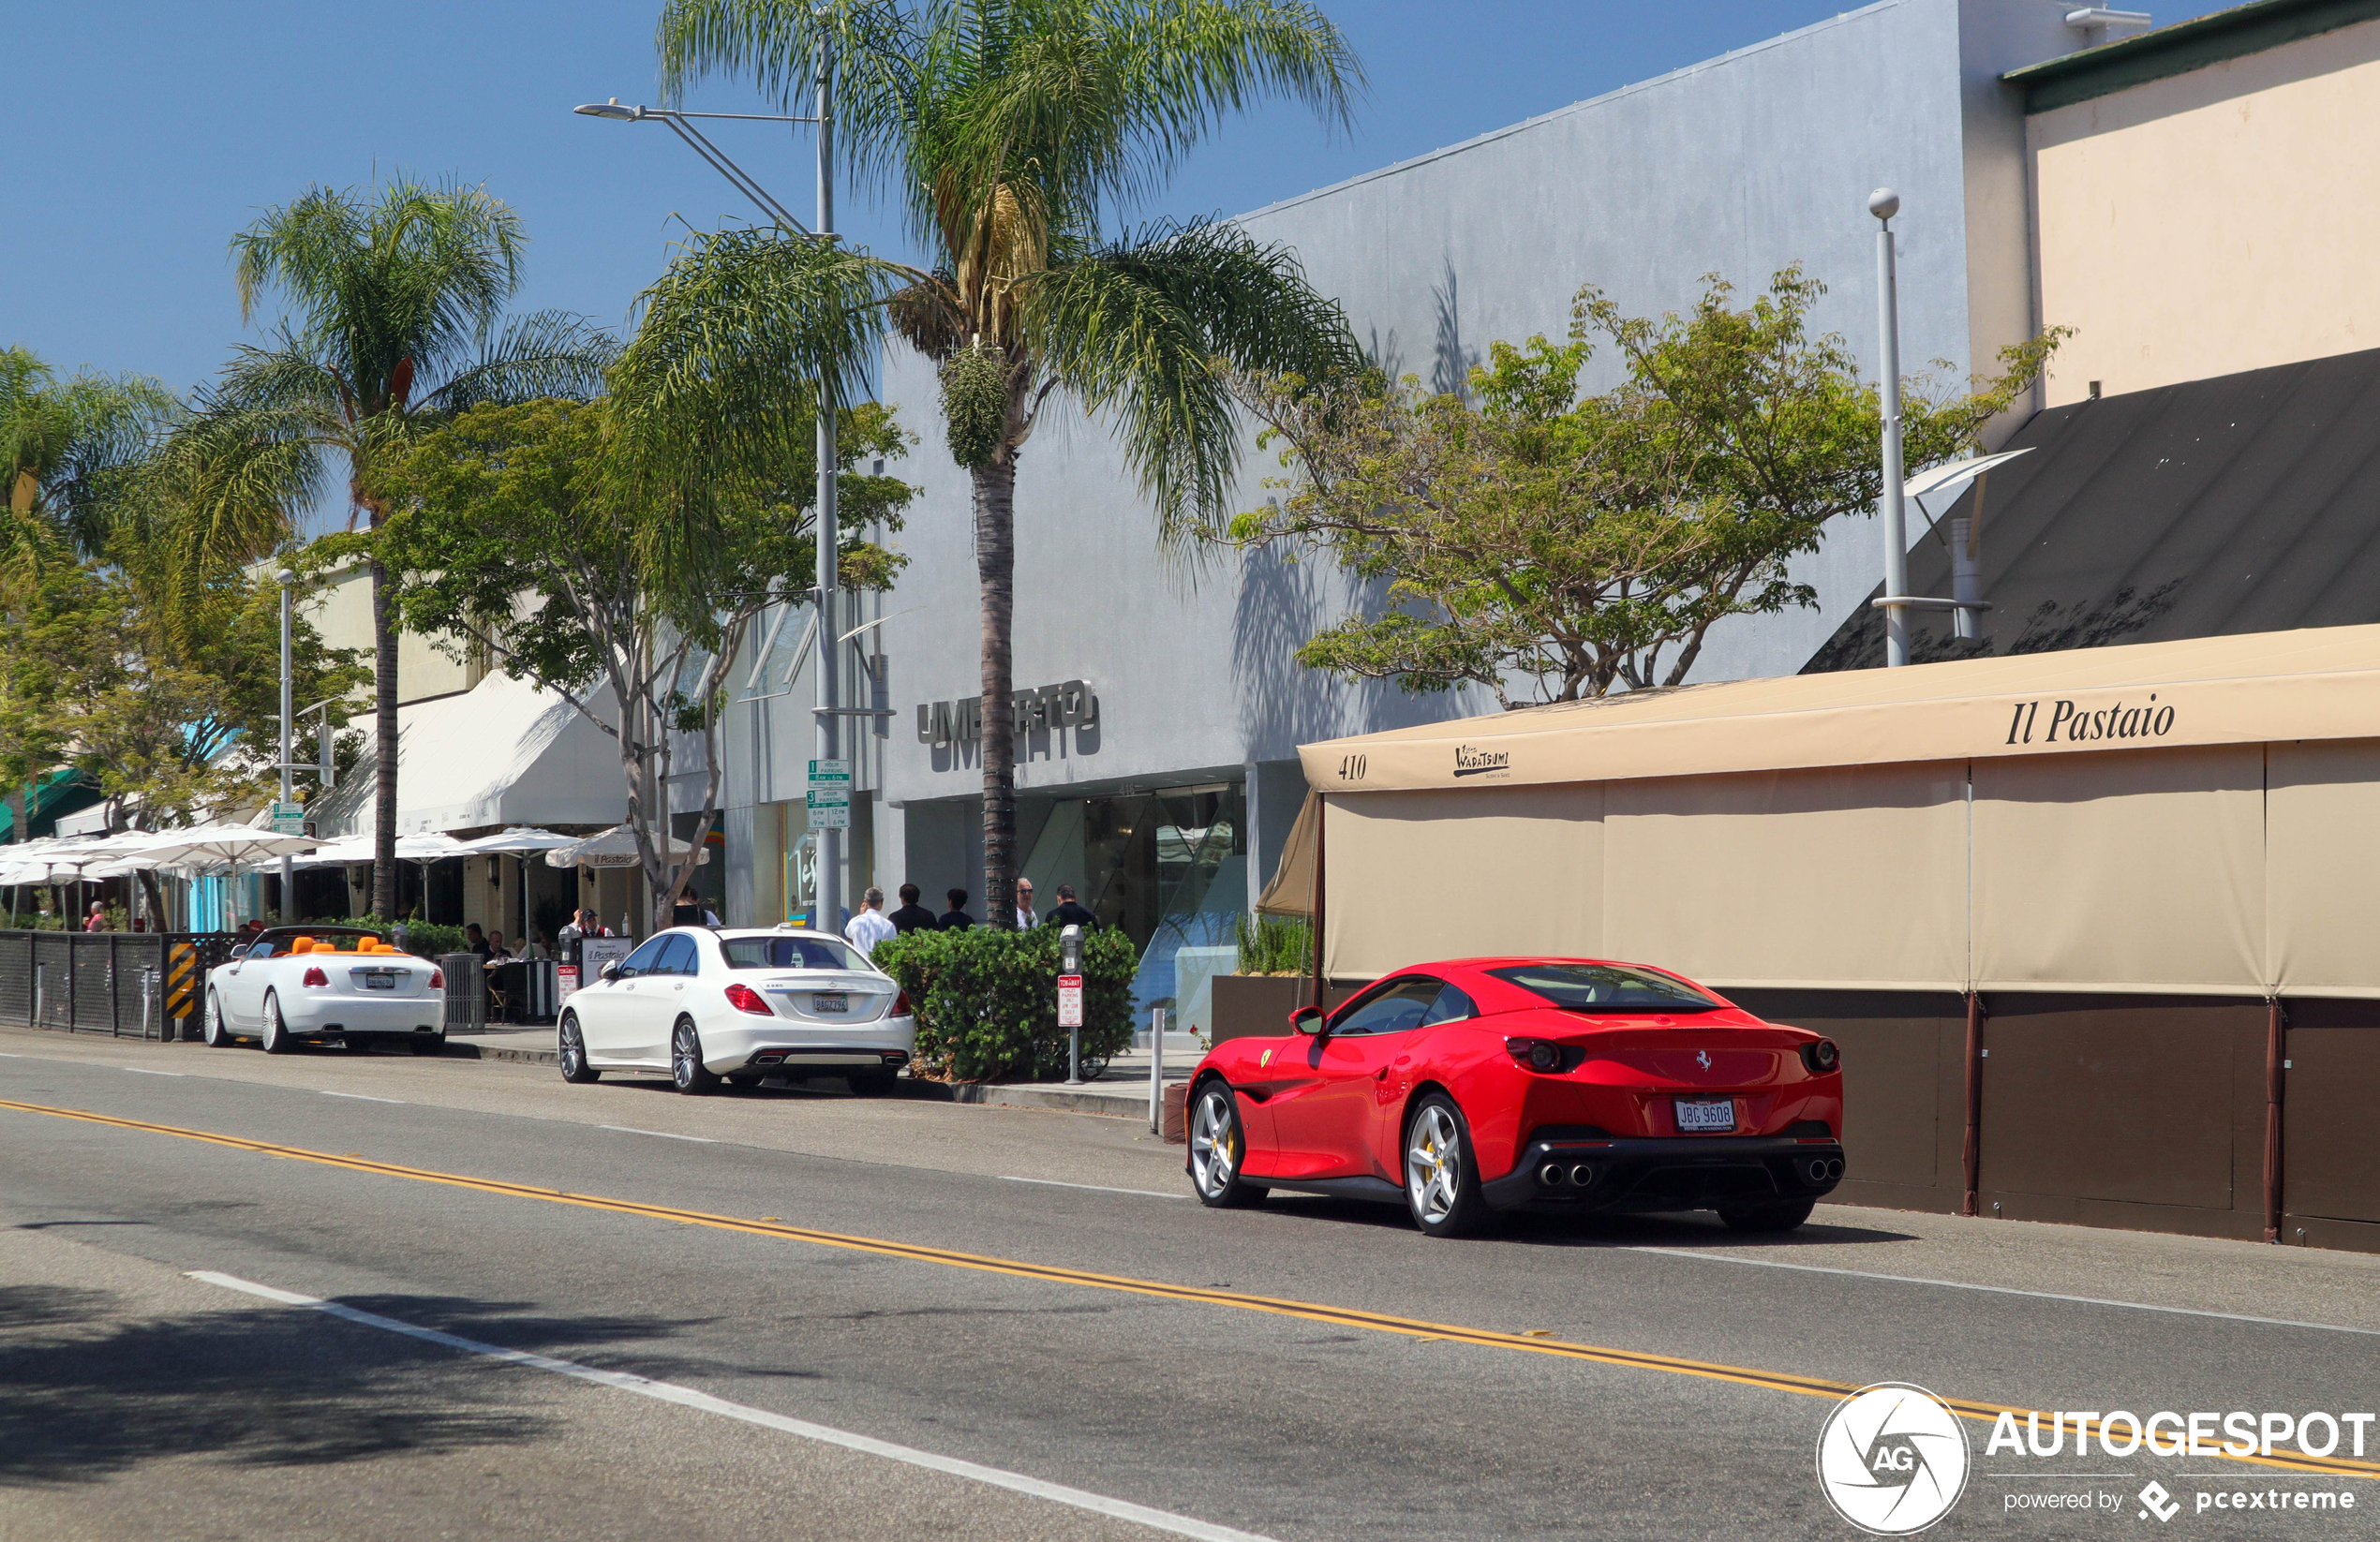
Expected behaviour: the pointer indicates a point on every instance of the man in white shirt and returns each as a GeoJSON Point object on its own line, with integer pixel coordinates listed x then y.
{"type": "Point", "coordinates": [1026, 919]}
{"type": "Point", "coordinates": [870, 926]}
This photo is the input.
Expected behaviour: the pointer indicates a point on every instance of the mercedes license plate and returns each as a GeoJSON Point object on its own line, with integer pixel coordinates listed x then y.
{"type": "Point", "coordinates": [829, 1001]}
{"type": "Point", "coordinates": [379, 980]}
{"type": "Point", "coordinates": [1702, 1116]}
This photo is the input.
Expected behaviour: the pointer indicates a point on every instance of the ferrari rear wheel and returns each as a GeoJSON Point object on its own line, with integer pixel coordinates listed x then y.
{"type": "Point", "coordinates": [1441, 1178]}
{"type": "Point", "coordinates": [1782, 1216]}
{"type": "Point", "coordinates": [1218, 1145]}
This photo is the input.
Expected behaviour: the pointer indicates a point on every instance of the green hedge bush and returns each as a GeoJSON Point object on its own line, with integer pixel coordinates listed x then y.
{"type": "Point", "coordinates": [987, 999]}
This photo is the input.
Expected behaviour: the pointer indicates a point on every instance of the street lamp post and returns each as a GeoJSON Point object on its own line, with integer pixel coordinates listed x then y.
{"type": "Point", "coordinates": [289, 887]}
{"type": "Point", "coordinates": [829, 883]}
{"type": "Point", "coordinates": [831, 643]}
{"type": "Point", "coordinates": [1884, 203]}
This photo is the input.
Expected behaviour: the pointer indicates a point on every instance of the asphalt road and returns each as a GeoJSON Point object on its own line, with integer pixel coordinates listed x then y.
{"type": "Point", "coordinates": [964, 1322]}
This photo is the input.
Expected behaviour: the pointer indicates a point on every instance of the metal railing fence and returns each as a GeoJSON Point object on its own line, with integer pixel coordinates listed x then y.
{"type": "Point", "coordinates": [129, 985]}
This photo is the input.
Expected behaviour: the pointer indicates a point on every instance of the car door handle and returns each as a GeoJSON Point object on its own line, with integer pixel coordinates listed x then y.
{"type": "Point", "coordinates": [1381, 1074]}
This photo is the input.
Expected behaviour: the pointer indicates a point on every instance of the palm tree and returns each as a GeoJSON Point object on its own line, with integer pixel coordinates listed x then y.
{"type": "Point", "coordinates": [66, 448]}
{"type": "Point", "coordinates": [1008, 132]}
{"type": "Point", "coordinates": [393, 300]}
{"type": "Point", "coordinates": [67, 451]}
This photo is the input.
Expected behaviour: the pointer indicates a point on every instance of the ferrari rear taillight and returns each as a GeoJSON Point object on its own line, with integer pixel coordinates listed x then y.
{"type": "Point", "coordinates": [1821, 1055]}
{"type": "Point", "coordinates": [743, 998]}
{"type": "Point", "coordinates": [1536, 1054]}
{"type": "Point", "coordinates": [316, 977]}
{"type": "Point", "coordinates": [437, 979]}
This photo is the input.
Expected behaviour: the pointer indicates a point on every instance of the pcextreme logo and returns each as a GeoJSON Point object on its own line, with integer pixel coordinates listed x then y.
{"type": "Point", "coordinates": [1892, 1459]}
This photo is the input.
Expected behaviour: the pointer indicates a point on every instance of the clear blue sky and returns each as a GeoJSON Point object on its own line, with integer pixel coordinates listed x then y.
{"type": "Point", "coordinates": [143, 133]}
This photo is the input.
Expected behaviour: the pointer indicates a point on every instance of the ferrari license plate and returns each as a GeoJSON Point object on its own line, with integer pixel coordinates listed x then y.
{"type": "Point", "coordinates": [829, 1001]}
{"type": "Point", "coordinates": [1702, 1116]}
{"type": "Point", "coordinates": [379, 980]}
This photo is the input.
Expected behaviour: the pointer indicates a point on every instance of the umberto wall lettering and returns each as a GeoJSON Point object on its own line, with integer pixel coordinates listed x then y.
{"type": "Point", "coordinates": [2080, 724]}
{"type": "Point", "coordinates": [1069, 703]}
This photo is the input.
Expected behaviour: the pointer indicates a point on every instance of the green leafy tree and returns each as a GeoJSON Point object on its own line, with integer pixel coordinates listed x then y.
{"type": "Point", "coordinates": [391, 321]}
{"type": "Point", "coordinates": [1008, 133]}
{"type": "Point", "coordinates": [1550, 547]}
{"type": "Point", "coordinates": [534, 533]}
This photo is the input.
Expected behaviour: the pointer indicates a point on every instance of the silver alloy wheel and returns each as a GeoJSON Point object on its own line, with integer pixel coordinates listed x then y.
{"type": "Point", "coordinates": [573, 1049]}
{"type": "Point", "coordinates": [1214, 1155]}
{"type": "Point", "coordinates": [212, 1029]}
{"type": "Point", "coordinates": [1433, 1164]}
{"type": "Point", "coordinates": [685, 1056]}
{"type": "Point", "coordinates": [276, 1032]}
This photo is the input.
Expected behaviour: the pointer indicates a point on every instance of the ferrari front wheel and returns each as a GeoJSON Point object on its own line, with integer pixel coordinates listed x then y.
{"type": "Point", "coordinates": [1441, 1178]}
{"type": "Point", "coordinates": [1218, 1145]}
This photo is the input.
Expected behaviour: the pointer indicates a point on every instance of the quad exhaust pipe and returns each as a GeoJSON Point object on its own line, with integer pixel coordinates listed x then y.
{"type": "Point", "coordinates": [1824, 1169]}
{"type": "Point", "coordinates": [1553, 1175]}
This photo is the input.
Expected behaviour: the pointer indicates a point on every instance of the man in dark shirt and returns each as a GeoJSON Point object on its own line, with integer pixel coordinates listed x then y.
{"type": "Point", "coordinates": [957, 918]}
{"type": "Point", "coordinates": [1070, 913]}
{"type": "Point", "coordinates": [912, 916]}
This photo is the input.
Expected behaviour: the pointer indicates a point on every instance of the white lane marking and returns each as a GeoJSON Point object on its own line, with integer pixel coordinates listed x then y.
{"type": "Point", "coordinates": [1101, 1188]}
{"type": "Point", "coordinates": [2004, 1290]}
{"type": "Point", "coordinates": [632, 1130]}
{"type": "Point", "coordinates": [4, 1055]}
{"type": "Point", "coordinates": [685, 1396]}
{"type": "Point", "coordinates": [365, 1097]}
{"type": "Point", "coordinates": [143, 1070]}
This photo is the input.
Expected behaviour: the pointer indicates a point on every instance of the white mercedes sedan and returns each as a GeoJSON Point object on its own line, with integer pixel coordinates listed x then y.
{"type": "Point", "coordinates": [704, 1004]}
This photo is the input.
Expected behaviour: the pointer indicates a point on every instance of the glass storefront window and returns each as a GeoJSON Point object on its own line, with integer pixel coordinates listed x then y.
{"type": "Point", "coordinates": [1168, 867]}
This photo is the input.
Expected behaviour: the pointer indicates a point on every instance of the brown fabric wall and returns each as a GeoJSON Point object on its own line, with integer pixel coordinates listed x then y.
{"type": "Point", "coordinates": [1416, 876]}
{"type": "Point", "coordinates": [2330, 1164]}
{"type": "Point", "coordinates": [2122, 870]}
{"type": "Point", "coordinates": [1904, 1088]}
{"type": "Point", "coordinates": [1849, 874]}
{"type": "Point", "coordinates": [2144, 1112]}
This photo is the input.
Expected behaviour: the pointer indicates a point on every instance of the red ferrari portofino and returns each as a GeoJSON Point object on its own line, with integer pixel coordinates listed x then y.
{"type": "Point", "coordinates": [1564, 1085]}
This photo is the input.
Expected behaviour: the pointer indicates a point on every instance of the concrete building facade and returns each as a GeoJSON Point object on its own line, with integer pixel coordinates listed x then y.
{"type": "Point", "coordinates": [1180, 790]}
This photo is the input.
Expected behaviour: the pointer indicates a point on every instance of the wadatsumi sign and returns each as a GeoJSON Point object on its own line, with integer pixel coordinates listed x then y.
{"type": "Point", "coordinates": [1069, 703]}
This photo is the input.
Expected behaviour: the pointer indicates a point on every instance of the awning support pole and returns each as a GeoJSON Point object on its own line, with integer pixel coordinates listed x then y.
{"type": "Point", "coordinates": [2276, 1028]}
{"type": "Point", "coordinates": [1884, 203]}
{"type": "Point", "coordinates": [1970, 1155]}
{"type": "Point", "coordinates": [1321, 820]}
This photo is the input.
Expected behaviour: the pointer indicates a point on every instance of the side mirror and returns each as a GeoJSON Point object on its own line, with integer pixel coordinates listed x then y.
{"type": "Point", "coordinates": [1306, 1019]}
{"type": "Point", "coordinates": [610, 971]}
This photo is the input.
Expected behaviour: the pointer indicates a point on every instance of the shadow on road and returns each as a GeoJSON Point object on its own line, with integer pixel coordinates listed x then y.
{"type": "Point", "coordinates": [87, 1391]}
{"type": "Point", "coordinates": [1682, 1229]}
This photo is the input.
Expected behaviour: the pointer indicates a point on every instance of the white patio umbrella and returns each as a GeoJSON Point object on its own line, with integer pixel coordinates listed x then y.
{"type": "Point", "coordinates": [201, 847]}
{"type": "Point", "coordinates": [519, 841]}
{"type": "Point", "coordinates": [614, 848]}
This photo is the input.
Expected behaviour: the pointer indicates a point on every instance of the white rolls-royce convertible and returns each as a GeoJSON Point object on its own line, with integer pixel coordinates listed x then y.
{"type": "Point", "coordinates": [296, 985]}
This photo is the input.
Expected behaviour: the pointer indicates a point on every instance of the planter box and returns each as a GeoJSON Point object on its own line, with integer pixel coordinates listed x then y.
{"type": "Point", "coordinates": [1260, 1004]}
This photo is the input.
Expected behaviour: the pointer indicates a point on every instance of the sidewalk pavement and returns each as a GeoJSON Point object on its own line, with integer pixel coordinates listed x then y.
{"type": "Point", "coordinates": [1121, 1091]}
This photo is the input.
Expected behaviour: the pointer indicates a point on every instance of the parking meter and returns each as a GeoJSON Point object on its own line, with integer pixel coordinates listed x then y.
{"type": "Point", "coordinates": [1070, 999]}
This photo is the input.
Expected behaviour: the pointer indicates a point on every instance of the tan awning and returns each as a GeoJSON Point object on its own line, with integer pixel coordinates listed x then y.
{"type": "Point", "coordinates": [2314, 684]}
{"type": "Point", "coordinates": [1292, 890]}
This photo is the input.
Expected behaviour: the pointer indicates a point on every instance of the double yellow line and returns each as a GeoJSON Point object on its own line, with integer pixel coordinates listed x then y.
{"type": "Point", "coordinates": [1307, 1311]}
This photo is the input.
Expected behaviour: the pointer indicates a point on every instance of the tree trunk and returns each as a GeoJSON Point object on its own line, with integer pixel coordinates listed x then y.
{"type": "Point", "coordinates": [384, 768]}
{"type": "Point", "coordinates": [995, 579]}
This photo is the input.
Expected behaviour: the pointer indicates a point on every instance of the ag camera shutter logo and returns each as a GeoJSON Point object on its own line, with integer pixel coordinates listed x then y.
{"type": "Point", "coordinates": [1892, 1459]}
